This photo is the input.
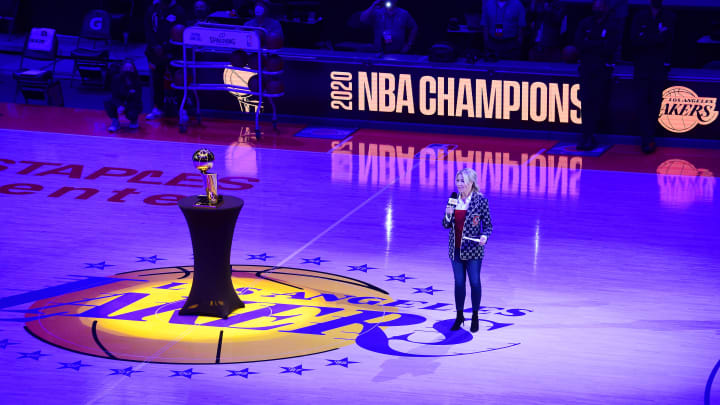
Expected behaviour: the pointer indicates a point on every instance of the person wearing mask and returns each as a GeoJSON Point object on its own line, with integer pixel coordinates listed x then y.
{"type": "Point", "coordinates": [547, 28]}
{"type": "Point", "coordinates": [503, 22]}
{"type": "Point", "coordinates": [596, 39]}
{"type": "Point", "coordinates": [126, 96]}
{"type": "Point", "coordinates": [470, 227]}
{"type": "Point", "coordinates": [651, 35]}
{"type": "Point", "coordinates": [394, 28]}
{"type": "Point", "coordinates": [160, 17]}
{"type": "Point", "coordinates": [263, 20]}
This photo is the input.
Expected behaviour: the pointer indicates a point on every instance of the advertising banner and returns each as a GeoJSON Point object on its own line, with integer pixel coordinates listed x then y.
{"type": "Point", "coordinates": [479, 98]}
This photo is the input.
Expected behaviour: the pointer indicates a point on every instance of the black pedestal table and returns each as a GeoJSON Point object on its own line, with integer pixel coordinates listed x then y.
{"type": "Point", "coordinates": [211, 230]}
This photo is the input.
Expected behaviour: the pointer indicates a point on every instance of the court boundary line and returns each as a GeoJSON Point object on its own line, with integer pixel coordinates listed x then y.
{"type": "Point", "coordinates": [536, 154]}
{"type": "Point", "coordinates": [342, 142]}
{"type": "Point", "coordinates": [709, 384]}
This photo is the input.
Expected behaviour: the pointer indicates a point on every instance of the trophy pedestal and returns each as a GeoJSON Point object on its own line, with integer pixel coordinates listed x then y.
{"type": "Point", "coordinates": [212, 292]}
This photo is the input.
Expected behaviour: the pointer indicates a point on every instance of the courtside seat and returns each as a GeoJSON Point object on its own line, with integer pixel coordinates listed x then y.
{"type": "Point", "coordinates": [38, 83]}
{"type": "Point", "coordinates": [92, 52]}
{"type": "Point", "coordinates": [33, 74]}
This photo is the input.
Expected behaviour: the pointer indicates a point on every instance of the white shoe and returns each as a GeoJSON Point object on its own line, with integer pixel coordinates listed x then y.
{"type": "Point", "coordinates": [114, 126]}
{"type": "Point", "coordinates": [155, 114]}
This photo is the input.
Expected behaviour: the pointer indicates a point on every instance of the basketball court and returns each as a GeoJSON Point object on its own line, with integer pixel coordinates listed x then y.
{"type": "Point", "coordinates": [600, 280]}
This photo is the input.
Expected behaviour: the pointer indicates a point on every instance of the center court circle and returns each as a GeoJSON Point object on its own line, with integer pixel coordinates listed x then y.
{"type": "Point", "coordinates": [136, 317]}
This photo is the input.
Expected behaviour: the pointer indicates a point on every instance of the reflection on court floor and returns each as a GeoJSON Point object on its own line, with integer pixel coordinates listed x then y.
{"type": "Point", "coordinates": [599, 283]}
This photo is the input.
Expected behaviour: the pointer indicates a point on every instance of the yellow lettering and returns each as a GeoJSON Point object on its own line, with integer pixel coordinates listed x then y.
{"type": "Point", "coordinates": [559, 103]}
{"type": "Point", "coordinates": [511, 98]}
{"type": "Point", "coordinates": [368, 90]}
{"type": "Point", "coordinates": [538, 102]}
{"type": "Point", "coordinates": [575, 100]}
{"type": "Point", "coordinates": [405, 97]}
{"type": "Point", "coordinates": [387, 92]}
{"type": "Point", "coordinates": [465, 99]}
{"type": "Point", "coordinates": [524, 101]}
{"type": "Point", "coordinates": [428, 104]}
{"type": "Point", "coordinates": [486, 105]}
{"type": "Point", "coordinates": [446, 96]}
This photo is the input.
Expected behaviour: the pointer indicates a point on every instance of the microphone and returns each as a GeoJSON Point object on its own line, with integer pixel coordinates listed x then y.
{"type": "Point", "coordinates": [452, 201]}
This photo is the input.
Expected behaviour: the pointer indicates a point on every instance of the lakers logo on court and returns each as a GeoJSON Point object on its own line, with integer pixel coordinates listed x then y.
{"type": "Point", "coordinates": [289, 313]}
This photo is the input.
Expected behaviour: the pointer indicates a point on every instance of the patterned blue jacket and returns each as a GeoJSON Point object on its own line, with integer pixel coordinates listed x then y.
{"type": "Point", "coordinates": [477, 223]}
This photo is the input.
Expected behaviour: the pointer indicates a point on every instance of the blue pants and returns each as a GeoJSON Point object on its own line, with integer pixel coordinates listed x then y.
{"type": "Point", "coordinates": [472, 269]}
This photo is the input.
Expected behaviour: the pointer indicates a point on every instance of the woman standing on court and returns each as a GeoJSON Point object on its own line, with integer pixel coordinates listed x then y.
{"type": "Point", "coordinates": [470, 226]}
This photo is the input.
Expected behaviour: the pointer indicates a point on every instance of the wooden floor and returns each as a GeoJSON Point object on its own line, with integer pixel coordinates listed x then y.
{"type": "Point", "coordinates": [600, 284]}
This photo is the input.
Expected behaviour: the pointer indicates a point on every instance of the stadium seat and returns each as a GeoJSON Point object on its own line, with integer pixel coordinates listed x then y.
{"type": "Point", "coordinates": [92, 51]}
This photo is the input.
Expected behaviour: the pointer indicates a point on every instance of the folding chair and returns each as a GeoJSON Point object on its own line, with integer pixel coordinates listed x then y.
{"type": "Point", "coordinates": [41, 45]}
{"type": "Point", "coordinates": [90, 60]}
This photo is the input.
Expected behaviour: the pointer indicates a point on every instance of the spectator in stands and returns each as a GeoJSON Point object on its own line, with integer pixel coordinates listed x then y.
{"type": "Point", "coordinates": [262, 19]}
{"type": "Point", "coordinates": [394, 28]}
{"type": "Point", "coordinates": [596, 39]}
{"type": "Point", "coordinates": [160, 17]}
{"type": "Point", "coordinates": [503, 22]}
{"type": "Point", "coordinates": [201, 11]}
{"type": "Point", "coordinates": [651, 35]}
{"type": "Point", "coordinates": [240, 8]}
{"type": "Point", "coordinates": [547, 26]}
{"type": "Point", "coordinates": [126, 96]}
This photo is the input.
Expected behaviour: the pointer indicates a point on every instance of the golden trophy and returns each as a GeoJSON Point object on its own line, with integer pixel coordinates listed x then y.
{"type": "Point", "coordinates": [204, 159]}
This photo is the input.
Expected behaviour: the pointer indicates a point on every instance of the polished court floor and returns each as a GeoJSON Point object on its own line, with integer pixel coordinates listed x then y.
{"type": "Point", "coordinates": [600, 282]}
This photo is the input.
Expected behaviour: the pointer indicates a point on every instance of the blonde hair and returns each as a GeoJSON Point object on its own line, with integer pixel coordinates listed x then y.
{"type": "Point", "coordinates": [469, 176]}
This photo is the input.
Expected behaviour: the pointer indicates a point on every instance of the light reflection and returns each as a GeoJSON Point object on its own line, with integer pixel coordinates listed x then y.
{"type": "Point", "coordinates": [241, 156]}
{"type": "Point", "coordinates": [681, 183]}
{"type": "Point", "coordinates": [537, 245]}
{"type": "Point", "coordinates": [388, 224]}
{"type": "Point", "coordinates": [509, 173]}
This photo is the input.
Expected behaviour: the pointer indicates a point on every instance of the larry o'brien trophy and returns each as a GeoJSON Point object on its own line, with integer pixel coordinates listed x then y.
{"type": "Point", "coordinates": [204, 160]}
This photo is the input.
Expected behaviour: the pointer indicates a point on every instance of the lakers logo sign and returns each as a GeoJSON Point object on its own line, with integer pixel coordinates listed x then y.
{"type": "Point", "coordinates": [289, 313]}
{"type": "Point", "coordinates": [682, 109]}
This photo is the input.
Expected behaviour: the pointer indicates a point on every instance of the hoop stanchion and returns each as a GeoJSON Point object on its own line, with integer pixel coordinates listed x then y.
{"type": "Point", "coordinates": [220, 38]}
